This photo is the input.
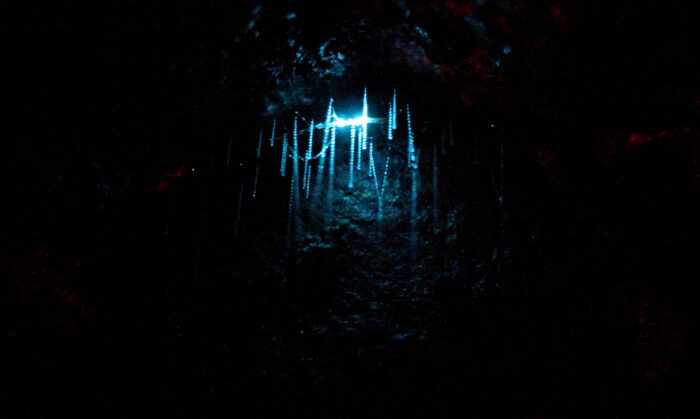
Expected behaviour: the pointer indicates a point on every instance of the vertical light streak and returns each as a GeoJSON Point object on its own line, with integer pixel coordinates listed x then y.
{"type": "Point", "coordinates": [411, 146]}
{"type": "Point", "coordinates": [309, 153]}
{"type": "Point", "coordinates": [390, 126]}
{"type": "Point", "coordinates": [322, 159]}
{"type": "Point", "coordinates": [307, 157]}
{"type": "Point", "coordinates": [257, 164]}
{"type": "Point", "coordinates": [414, 215]}
{"type": "Point", "coordinates": [290, 214]}
{"type": "Point", "coordinates": [255, 184]}
{"type": "Point", "coordinates": [283, 163]}
{"type": "Point", "coordinates": [365, 115]}
{"type": "Point", "coordinates": [393, 114]}
{"type": "Point", "coordinates": [352, 154]}
{"type": "Point", "coordinates": [272, 136]}
{"type": "Point", "coordinates": [386, 172]}
{"type": "Point", "coordinates": [373, 170]}
{"type": "Point", "coordinates": [331, 172]}
{"type": "Point", "coordinates": [295, 163]}
{"type": "Point", "coordinates": [359, 155]}
{"type": "Point", "coordinates": [413, 168]}
{"type": "Point", "coordinates": [380, 211]}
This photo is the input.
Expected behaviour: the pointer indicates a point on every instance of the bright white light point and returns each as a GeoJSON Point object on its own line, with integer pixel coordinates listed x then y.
{"type": "Point", "coordinates": [360, 120]}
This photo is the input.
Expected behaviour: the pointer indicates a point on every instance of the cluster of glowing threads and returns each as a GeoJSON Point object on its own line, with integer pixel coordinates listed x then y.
{"type": "Point", "coordinates": [358, 132]}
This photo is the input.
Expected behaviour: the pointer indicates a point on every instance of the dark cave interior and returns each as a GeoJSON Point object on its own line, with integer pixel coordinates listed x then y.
{"type": "Point", "coordinates": [537, 261]}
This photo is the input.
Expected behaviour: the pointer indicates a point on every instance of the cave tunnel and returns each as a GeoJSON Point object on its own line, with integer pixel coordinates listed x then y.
{"type": "Point", "coordinates": [469, 208]}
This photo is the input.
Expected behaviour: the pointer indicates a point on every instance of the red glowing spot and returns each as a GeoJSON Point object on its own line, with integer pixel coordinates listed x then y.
{"type": "Point", "coordinates": [503, 23]}
{"type": "Point", "coordinates": [466, 99]}
{"type": "Point", "coordinates": [637, 139]}
{"type": "Point", "coordinates": [458, 8]}
{"type": "Point", "coordinates": [562, 19]}
{"type": "Point", "coordinates": [168, 178]}
{"type": "Point", "coordinates": [447, 71]}
{"type": "Point", "coordinates": [641, 319]}
{"type": "Point", "coordinates": [41, 252]}
{"type": "Point", "coordinates": [377, 6]}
